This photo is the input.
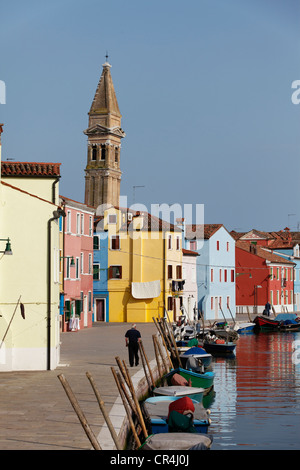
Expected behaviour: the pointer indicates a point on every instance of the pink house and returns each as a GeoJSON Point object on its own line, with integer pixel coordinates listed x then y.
{"type": "Point", "coordinates": [76, 265]}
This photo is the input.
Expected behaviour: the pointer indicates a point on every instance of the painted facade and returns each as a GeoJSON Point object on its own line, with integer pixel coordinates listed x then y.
{"type": "Point", "coordinates": [100, 275]}
{"type": "Point", "coordinates": [29, 288]}
{"type": "Point", "coordinates": [262, 276]}
{"type": "Point", "coordinates": [215, 269]}
{"type": "Point", "coordinates": [76, 265]}
{"type": "Point", "coordinates": [190, 291]}
{"type": "Point", "coordinates": [144, 266]}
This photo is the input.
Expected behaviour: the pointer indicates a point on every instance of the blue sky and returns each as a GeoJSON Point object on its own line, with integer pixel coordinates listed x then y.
{"type": "Point", "coordinates": [204, 88]}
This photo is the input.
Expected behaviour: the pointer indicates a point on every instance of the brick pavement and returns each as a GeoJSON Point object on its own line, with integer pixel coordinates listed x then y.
{"type": "Point", "coordinates": [35, 412]}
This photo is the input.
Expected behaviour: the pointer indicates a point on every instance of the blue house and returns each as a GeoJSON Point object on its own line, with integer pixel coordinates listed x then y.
{"type": "Point", "coordinates": [100, 276]}
{"type": "Point", "coordinates": [215, 269]}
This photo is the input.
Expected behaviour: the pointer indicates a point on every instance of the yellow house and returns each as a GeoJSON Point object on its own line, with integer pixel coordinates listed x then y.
{"type": "Point", "coordinates": [29, 278]}
{"type": "Point", "coordinates": [144, 266]}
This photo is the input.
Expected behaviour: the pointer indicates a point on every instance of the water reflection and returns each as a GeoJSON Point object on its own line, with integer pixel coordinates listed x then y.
{"type": "Point", "coordinates": [256, 403]}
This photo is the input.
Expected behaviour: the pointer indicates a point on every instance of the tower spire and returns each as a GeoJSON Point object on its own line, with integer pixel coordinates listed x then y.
{"type": "Point", "coordinates": [102, 173]}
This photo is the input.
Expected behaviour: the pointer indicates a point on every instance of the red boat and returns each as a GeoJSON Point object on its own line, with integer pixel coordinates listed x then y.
{"type": "Point", "coordinates": [266, 323]}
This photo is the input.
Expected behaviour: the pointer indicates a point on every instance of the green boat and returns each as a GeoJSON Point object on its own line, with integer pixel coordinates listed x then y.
{"type": "Point", "coordinates": [205, 380]}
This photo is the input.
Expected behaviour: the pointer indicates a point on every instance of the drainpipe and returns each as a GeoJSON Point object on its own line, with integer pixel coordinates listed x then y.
{"type": "Point", "coordinates": [53, 188]}
{"type": "Point", "coordinates": [56, 215]}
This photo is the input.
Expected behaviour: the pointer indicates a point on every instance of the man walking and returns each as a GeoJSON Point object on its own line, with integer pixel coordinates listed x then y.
{"type": "Point", "coordinates": [132, 338]}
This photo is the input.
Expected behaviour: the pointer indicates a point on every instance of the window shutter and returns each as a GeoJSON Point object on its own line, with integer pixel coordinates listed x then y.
{"type": "Point", "coordinates": [67, 310]}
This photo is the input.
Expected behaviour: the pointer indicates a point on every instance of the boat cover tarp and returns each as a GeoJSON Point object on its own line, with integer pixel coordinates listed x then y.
{"type": "Point", "coordinates": [195, 351]}
{"type": "Point", "coordinates": [156, 407]}
{"type": "Point", "coordinates": [287, 318]}
{"type": "Point", "coordinates": [177, 441]}
{"type": "Point", "coordinates": [145, 290]}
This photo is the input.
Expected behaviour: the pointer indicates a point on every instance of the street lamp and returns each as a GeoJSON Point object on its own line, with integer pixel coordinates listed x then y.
{"type": "Point", "coordinates": [8, 250]}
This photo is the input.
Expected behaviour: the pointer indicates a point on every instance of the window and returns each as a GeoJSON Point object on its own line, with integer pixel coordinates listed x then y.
{"type": "Point", "coordinates": [170, 242]}
{"type": "Point", "coordinates": [115, 242]}
{"type": "Point", "coordinates": [220, 274]}
{"type": "Point", "coordinates": [277, 275]}
{"type": "Point", "coordinates": [291, 297]}
{"type": "Point", "coordinates": [78, 224]}
{"type": "Point", "coordinates": [90, 226]}
{"type": "Point", "coordinates": [232, 275]}
{"type": "Point", "coordinates": [115, 272]}
{"type": "Point", "coordinates": [218, 245]}
{"type": "Point", "coordinates": [112, 219]}
{"type": "Point", "coordinates": [82, 224]}
{"type": "Point", "coordinates": [90, 301]}
{"type": "Point", "coordinates": [90, 263]}
{"type": "Point", "coordinates": [193, 245]}
{"type": "Point", "coordinates": [178, 272]}
{"type": "Point", "coordinates": [170, 271]}
{"type": "Point", "coordinates": [116, 155]}
{"type": "Point", "coordinates": [94, 152]}
{"type": "Point", "coordinates": [277, 297]}
{"type": "Point", "coordinates": [170, 303]}
{"type": "Point", "coordinates": [68, 260]}
{"type": "Point", "coordinates": [77, 268]}
{"type": "Point", "coordinates": [227, 246]}
{"type": "Point", "coordinates": [81, 263]}
{"type": "Point", "coordinates": [211, 275]}
{"type": "Point", "coordinates": [225, 275]}
{"type": "Point", "coordinates": [103, 152]}
{"type": "Point", "coordinates": [69, 221]}
{"type": "Point", "coordinates": [271, 297]}
{"type": "Point", "coordinates": [212, 303]}
{"type": "Point", "coordinates": [96, 244]}
{"type": "Point", "coordinates": [177, 243]}
{"type": "Point", "coordinates": [96, 272]}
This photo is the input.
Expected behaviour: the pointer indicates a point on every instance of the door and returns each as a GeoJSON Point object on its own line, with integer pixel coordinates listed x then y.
{"type": "Point", "coordinates": [85, 311]}
{"type": "Point", "coordinates": [100, 304]}
{"type": "Point", "coordinates": [216, 308]}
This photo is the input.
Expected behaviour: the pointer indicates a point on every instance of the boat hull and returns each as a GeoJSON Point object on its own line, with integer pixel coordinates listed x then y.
{"type": "Point", "coordinates": [219, 348]}
{"type": "Point", "coordinates": [265, 323]}
{"type": "Point", "coordinates": [205, 380]}
{"type": "Point", "coordinates": [178, 441]}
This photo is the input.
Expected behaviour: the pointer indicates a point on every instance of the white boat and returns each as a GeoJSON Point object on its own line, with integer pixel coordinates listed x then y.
{"type": "Point", "coordinates": [244, 327]}
{"type": "Point", "coordinates": [195, 393]}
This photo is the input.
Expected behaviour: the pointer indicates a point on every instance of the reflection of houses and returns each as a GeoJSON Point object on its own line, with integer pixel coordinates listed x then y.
{"type": "Point", "coordinates": [144, 258]}
{"type": "Point", "coordinates": [215, 269]}
{"type": "Point", "coordinates": [77, 265]}
{"type": "Point", "coordinates": [262, 276]}
{"type": "Point", "coordinates": [30, 336]}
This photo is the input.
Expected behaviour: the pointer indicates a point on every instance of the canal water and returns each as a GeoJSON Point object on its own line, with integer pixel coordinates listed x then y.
{"type": "Point", "coordinates": [255, 404]}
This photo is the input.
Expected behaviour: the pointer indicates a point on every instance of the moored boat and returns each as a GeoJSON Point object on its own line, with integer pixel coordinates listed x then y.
{"type": "Point", "coordinates": [265, 323]}
{"type": "Point", "coordinates": [195, 393]}
{"type": "Point", "coordinates": [157, 409]}
{"type": "Point", "coordinates": [243, 328]}
{"type": "Point", "coordinates": [204, 380]}
{"type": "Point", "coordinates": [217, 347]}
{"type": "Point", "coordinates": [177, 441]}
{"type": "Point", "coordinates": [289, 321]}
{"type": "Point", "coordinates": [197, 353]}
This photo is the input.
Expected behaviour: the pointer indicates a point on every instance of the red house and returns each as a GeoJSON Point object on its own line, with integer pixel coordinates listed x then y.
{"type": "Point", "coordinates": [262, 277]}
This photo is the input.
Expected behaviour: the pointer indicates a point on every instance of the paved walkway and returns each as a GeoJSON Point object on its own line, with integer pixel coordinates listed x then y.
{"type": "Point", "coordinates": [35, 412]}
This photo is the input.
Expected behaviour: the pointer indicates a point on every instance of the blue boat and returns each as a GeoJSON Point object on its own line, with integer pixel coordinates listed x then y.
{"type": "Point", "coordinates": [288, 321]}
{"type": "Point", "coordinates": [197, 353]}
{"type": "Point", "coordinates": [178, 391]}
{"type": "Point", "coordinates": [243, 328]}
{"type": "Point", "coordinates": [157, 409]}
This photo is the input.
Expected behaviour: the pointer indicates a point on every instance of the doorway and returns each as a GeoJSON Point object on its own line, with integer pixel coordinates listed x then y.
{"type": "Point", "coordinates": [100, 309]}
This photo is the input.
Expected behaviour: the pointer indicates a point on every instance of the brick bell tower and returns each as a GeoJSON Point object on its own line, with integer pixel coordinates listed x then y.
{"type": "Point", "coordinates": [102, 172]}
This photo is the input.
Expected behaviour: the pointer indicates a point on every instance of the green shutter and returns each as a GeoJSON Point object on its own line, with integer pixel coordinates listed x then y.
{"type": "Point", "coordinates": [78, 307]}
